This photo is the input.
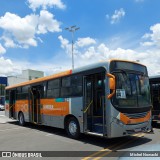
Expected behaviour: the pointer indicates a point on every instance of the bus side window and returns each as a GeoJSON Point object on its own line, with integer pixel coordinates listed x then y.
{"type": "Point", "coordinates": [71, 86]}
{"type": "Point", "coordinates": [53, 88]}
{"type": "Point", "coordinates": [66, 81]}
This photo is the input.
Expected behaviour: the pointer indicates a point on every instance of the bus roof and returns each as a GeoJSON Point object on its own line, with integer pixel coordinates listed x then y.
{"type": "Point", "coordinates": [41, 79]}
{"type": "Point", "coordinates": [103, 64]}
{"type": "Point", "coordinates": [65, 73]}
{"type": "Point", "coordinates": [136, 62]}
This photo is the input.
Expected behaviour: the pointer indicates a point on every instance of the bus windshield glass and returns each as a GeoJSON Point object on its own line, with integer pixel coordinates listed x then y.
{"type": "Point", "coordinates": [117, 65]}
{"type": "Point", "coordinates": [132, 89]}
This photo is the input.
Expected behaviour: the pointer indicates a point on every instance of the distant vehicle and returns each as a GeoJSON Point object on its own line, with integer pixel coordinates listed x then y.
{"type": "Point", "coordinates": [108, 99]}
{"type": "Point", "coordinates": [1, 107]}
{"type": "Point", "coordinates": [155, 96]}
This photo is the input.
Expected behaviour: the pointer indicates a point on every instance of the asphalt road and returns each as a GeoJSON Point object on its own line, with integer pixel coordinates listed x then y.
{"type": "Point", "coordinates": [1, 112]}
{"type": "Point", "coordinates": [41, 138]}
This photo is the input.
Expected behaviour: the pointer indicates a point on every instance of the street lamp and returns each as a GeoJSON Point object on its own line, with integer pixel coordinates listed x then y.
{"type": "Point", "coordinates": [72, 29]}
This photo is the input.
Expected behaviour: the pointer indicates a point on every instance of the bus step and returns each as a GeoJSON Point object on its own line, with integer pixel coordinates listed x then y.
{"type": "Point", "coordinates": [98, 127]}
{"type": "Point", "coordinates": [97, 119]}
{"type": "Point", "coordinates": [98, 124]}
{"type": "Point", "coordinates": [95, 134]}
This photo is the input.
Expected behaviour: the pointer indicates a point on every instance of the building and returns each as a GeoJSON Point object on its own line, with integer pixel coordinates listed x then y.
{"type": "Point", "coordinates": [3, 84]}
{"type": "Point", "coordinates": [11, 80]}
{"type": "Point", "coordinates": [25, 76]}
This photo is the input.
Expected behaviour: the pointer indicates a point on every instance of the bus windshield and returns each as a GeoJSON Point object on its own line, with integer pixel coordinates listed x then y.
{"type": "Point", "coordinates": [132, 90]}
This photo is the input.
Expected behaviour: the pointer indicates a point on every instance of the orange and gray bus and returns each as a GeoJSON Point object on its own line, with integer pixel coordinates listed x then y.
{"type": "Point", "coordinates": [108, 99]}
{"type": "Point", "coordinates": [155, 97]}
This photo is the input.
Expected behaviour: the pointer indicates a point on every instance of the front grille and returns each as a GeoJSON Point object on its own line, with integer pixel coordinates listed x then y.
{"type": "Point", "coordinates": [133, 131]}
{"type": "Point", "coordinates": [136, 115]}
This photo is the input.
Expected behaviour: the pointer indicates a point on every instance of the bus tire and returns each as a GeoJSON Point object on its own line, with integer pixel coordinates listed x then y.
{"type": "Point", "coordinates": [21, 119]}
{"type": "Point", "coordinates": [72, 128]}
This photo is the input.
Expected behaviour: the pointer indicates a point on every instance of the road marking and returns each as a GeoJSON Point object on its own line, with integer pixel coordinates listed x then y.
{"type": "Point", "coordinates": [106, 149]}
{"type": "Point", "coordinates": [99, 152]}
{"type": "Point", "coordinates": [104, 154]}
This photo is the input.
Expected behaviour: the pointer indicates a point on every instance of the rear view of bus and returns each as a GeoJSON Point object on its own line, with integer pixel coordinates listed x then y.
{"type": "Point", "coordinates": [129, 99]}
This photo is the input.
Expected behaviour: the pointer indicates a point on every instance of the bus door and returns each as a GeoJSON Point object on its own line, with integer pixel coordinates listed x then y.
{"type": "Point", "coordinates": [12, 100]}
{"type": "Point", "coordinates": [35, 106]}
{"type": "Point", "coordinates": [94, 110]}
{"type": "Point", "coordinates": [88, 103]}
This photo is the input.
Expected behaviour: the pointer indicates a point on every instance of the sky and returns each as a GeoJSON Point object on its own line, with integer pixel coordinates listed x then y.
{"type": "Point", "coordinates": [33, 35]}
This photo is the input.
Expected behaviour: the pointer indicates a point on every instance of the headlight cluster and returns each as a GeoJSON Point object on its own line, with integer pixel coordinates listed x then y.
{"type": "Point", "coordinates": [115, 120]}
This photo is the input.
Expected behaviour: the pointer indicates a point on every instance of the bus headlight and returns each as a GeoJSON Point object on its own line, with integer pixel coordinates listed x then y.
{"type": "Point", "coordinates": [115, 120]}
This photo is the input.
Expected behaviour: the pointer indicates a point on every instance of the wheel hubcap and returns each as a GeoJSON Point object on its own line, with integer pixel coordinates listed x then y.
{"type": "Point", "coordinates": [72, 128]}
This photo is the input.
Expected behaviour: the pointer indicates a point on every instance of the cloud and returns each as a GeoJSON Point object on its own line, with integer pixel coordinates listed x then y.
{"type": "Point", "coordinates": [96, 52]}
{"type": "Point", "coordinates": [79, 46]}
{"type": "Point", "coordinates": [153, 38]}
{"type": "Point", "coordinates": [20, 29]}
{"type": "Point", "coordinates": [22, 32]}
{"type": "Point", "coordinates": [147, 44]}
{"type": "Point", "coordinates": [65, 44]}
{"type": "Point", "coordinates": [85, 41]}
{"type": "Point", "coordinates": [47, 23]}
{"type": "Point", "coordinates": [8, 42]}
{"type": "Point", "coordinates": [10, 67]}
{"type": "Point", "coordinates": [48, 68]}
{"type": "Point", "coordinates": [118, 14]}
{"type": "Point", "coordinates": [101, 52]}
{"type": "Point", "coordinates": [7, 67]}
{"type": "Point", "coordinates": [35, 4]}
{"type": "Point", "coordinates": [84, 56]}
{"type": "Point", "coordinates": [2, 49]}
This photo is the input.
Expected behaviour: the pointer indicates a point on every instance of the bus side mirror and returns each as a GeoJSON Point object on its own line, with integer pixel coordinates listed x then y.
{"type": "Point", "coordinates": [112, 85]}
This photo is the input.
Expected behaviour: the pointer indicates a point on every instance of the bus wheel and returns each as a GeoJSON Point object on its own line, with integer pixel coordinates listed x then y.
{"type": "Point", "coordinates": [72, 128]}
{"type": "Point", "coordinates": [21, 119]}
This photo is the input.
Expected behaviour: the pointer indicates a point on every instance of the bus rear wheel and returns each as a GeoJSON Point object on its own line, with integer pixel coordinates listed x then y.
{"type": "Point", "coordinates": [21, 119]}
{"type": "Point", "coordinates": [72, 128]}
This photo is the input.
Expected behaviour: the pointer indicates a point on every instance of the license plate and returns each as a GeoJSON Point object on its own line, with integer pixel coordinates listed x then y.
{"type": "Point", "coordinates": [137, 129]}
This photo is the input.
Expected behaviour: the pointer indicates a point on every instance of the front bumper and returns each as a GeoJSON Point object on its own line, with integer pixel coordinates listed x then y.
{"type": "Point", "coordinates": [118, 130]}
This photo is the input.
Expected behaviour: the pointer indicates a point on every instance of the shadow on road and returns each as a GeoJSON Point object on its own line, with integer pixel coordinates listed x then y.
{"type": "Point", "coordinates": [156, 124]}
{"type": "Point", "coordinates": [93, 140]}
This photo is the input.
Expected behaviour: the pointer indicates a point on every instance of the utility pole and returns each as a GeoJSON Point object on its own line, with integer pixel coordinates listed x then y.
{"type": "Point", "coordinates": [72, 29]}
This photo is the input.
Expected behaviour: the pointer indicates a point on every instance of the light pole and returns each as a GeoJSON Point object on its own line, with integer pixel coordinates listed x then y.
{"type": "Point", "coordinates": [72, 29]}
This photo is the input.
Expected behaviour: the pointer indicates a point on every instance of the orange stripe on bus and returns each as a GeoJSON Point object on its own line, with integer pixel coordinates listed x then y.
{"type": "Point", "coordinates": [127, 120]}
{"type": "Point", "coordinates": [47, 107]}
{"type": "Point", "coordinates": [51, 107]}
{"type": "Point", "coordinates": [22, 105]}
